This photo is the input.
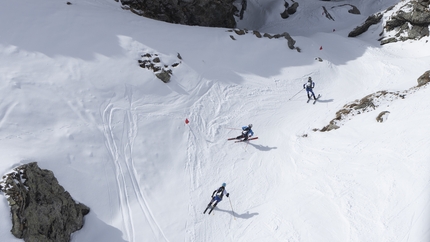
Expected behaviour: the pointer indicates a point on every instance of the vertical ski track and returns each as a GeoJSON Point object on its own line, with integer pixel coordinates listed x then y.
{"type": "Point", "coordinates": [121, 151]}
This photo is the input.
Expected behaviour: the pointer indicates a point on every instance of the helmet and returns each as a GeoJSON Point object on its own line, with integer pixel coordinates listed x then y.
{"type": "Point", "coordinates": [224, 184]}
{"type": "Point", "coordinates": [250, 125]}
{"type": "Point", "coordinates": [310, 78]}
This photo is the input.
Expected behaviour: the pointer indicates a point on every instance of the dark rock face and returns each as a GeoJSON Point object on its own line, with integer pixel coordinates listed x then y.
{"type": "Point", "coordinates": [374, 19]}
{"type": "Point", "coordinates": [210, 13]}
{"type": "Point", "coordinates": [41, 209]}
{"type": "Point", "coordinates": [424, 79]}
{"type": "Point", "coordinates": [285, 35]}
{"type": "Point", "coordinates": [411, 21]}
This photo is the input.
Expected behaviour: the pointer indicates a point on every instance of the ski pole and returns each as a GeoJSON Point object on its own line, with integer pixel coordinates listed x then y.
{"type": "Point", "coordinates": [233, 128]}
{"type": "Point", "coordinates": [232, 208]}
{"type": "Point", "coordinates": [295, 94]}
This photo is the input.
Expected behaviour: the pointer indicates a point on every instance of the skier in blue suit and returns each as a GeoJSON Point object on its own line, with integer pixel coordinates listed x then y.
{"type": "Point", "coordinates": [217, 196]}
{"type": "Point", "coordinates": [246, 132]}
{"type": "Point", "coordinates": [309, 86]}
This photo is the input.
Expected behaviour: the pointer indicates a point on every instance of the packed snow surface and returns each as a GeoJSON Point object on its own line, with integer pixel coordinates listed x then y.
{"type": "Point", "coordinates": [74, 99]}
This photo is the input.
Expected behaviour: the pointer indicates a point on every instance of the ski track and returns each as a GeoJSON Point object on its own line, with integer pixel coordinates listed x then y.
{"type": "Point", "coordinates": [201, 139]}
{"type": "Point", "coordinates": [120, 146]}
{"type": "Point", "coordinates": [113, 150]}
{"type": "Point", "coordinates": [193, 165]}
{"type": "Point", "coordinates": [208, 135]}
{"type": "Point", "coordinates": [5, 111]}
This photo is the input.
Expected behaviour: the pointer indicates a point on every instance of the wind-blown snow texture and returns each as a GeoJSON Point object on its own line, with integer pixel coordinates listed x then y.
{"type": "Point", "coordinates": [73, 98]}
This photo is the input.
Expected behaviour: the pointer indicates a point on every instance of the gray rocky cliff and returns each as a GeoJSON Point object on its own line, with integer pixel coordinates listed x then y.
{"type": "Point", "coordinates": [411, 21]}
{"type": "Point", "coordinates": [210, 13]}
{"type": "Point", "coordinates": [41, 209]}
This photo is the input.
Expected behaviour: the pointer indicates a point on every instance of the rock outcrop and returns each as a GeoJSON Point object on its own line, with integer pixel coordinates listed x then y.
{"type": "Point", "coordinates": [290, 41]}
{"type": "Point", "coordinates": [424, 79]}
{"type": "Point", "coordinates": [41, 209]}
{"type": "Point", "coordinates": [210, 13]}
{"type": "Point", "coordinates": [374, 19]}
{"type": "Point", "coordinates": [411, 21]}
{"type": "Point", "coordinates": [371, 102]}
{"type": "Point", "coordinates": [364, 105]}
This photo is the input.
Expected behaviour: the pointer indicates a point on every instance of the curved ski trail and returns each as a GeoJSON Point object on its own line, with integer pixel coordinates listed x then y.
{"type": "Point", "coordinates": [120, 142]}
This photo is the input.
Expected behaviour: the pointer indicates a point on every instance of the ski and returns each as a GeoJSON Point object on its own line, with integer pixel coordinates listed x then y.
{"type": "Point", "coordinates": [319, 95]}
{"type": "Point", "coordinates": [231, 138]}
{"type": "Point", "coordinates": [211, 210]}
{"type": "Point", "coordinates": [207, 209]}
{"type": "Point", "coordinates": [246, 140]}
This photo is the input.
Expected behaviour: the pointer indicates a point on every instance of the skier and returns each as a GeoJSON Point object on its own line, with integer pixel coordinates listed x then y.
{"type": "Point", "coordinates": [309, 86]}
{"type": "Point", "coordinates": [217, 197]}
{"type": "Point", "coordinates": [246, 133]}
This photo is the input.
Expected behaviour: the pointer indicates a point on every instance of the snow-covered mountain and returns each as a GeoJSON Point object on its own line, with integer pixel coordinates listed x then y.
{"type": "Point", "coordinates": [74, 98]}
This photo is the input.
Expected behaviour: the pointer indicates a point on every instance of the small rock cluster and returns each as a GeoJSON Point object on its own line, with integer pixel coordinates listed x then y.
{"type": "Point", "coordinates": [289, 10]}
{"type": "Point", "coordinates": [153, 62]}
{"type": "Point", "coordinates": [41, 209]}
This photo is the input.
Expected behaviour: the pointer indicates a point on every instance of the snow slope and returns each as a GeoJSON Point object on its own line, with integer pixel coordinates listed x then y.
{"type": "Point", "coordinates": [73, 98]}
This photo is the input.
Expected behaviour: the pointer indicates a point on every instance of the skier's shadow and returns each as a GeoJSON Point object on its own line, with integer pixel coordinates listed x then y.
{"type": "Point", "coordinates": [246, 215]}
{"type": "Point", "coordinates": [263, 148]}
{"type": "Point", "coordinates": [325, 100]}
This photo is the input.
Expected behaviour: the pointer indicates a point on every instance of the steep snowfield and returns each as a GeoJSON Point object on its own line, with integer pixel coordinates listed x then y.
{"type": "Point", "coordinates": [73, 98]}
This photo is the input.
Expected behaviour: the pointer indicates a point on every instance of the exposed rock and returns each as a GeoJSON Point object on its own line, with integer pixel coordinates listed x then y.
{"type": "Point", "coordinates": [267, 35]}
{"type": "Point", "coordinates": [163, 75]}
{"type": "Point", "coordinates": [354, 10]}
{"type": "Point", "coordinates": [293, 8]}
{"type": "Point", "coordinates": [240, 31]}
{"type": "Point", "coordinates": [371, 20]}
{"type": "Point", "coordinates": [411, 21]}
{"type": "Point", "coordinates": [210, 13]}
{"type": "Point", "coordinates": [285, 14]}
{"type": "Point", "coordinates": [371, 102]}
{"type": "Point", "coordinates": [242, 10]}
{"type": "Point", "coordinates": [291, 41]}
{"type": "Point", "coordinates": [327, 14]}
{"type": "Point", "coordinates": [424, 79]}
{"type": "Point", "coordinates": [382, 116]}
{"type": "Point", "coordinates": [41, 209]}
{"type": "Point", "coordinates": [289, 10]}
{"type": "Point", "coordinates": [329, 127]}
{"type": "Point", "coordinates": [155, 63]}
{"type": "Point", "coordinates": [256, 33]}
{"type": "Point", "coordinates": [366, 104]}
